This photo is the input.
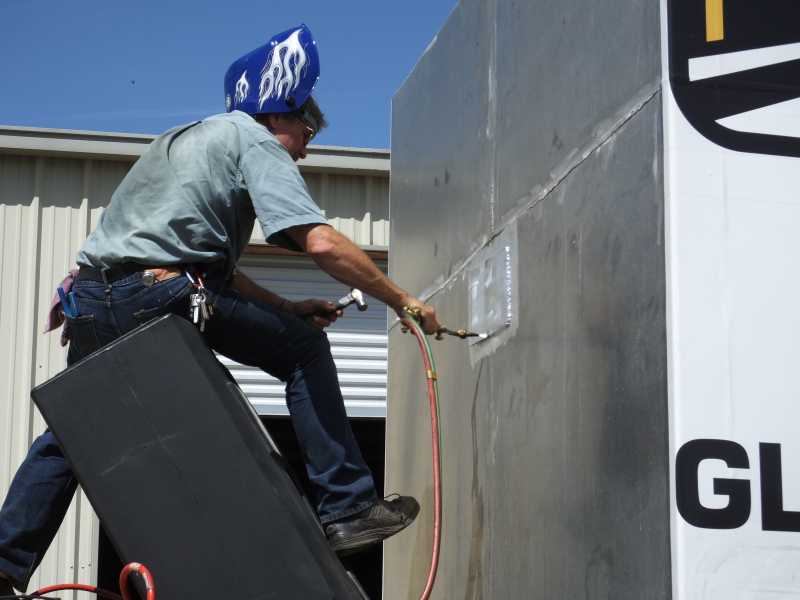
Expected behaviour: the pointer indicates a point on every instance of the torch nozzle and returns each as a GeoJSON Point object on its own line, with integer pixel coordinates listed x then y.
{"type": "Point", "coordinates": [460, 333]}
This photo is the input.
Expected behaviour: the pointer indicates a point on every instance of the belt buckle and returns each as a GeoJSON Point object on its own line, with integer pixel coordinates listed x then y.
{"type": "Point", "coordinates": [148, 278]}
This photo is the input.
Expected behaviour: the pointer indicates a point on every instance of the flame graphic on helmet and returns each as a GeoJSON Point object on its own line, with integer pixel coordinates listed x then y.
{"type": "Point", "coordinates": [284, 67]}
{"type": "Point", "coordinates": [242, 88]}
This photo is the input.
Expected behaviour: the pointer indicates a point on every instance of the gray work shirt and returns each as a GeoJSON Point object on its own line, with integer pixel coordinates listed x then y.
{"type": "Point", "coordinates": [194, 195]}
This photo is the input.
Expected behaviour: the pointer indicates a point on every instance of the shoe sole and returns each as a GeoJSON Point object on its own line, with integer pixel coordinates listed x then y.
{"type": "Point", "coordinates": [364, 541]}
{"type": "Point", "coordinates": [358, 543]}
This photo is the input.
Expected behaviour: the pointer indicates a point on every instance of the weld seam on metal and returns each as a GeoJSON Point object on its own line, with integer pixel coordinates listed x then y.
{"type": "Point", "coordinates": [590, 149]}
{"type": "Point", "coordinates": [648, 93]}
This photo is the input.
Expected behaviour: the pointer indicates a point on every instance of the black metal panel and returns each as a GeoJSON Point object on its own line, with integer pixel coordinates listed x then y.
{"type": "Point", "coordinates": [183, 474]}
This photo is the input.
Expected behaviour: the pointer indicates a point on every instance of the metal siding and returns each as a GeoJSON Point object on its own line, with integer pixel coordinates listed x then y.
{"type": "Point", "coordinates": [356, 205]}
{"type": "Point", "coordinates": [358, 340]}
{"type": "Point", "coordinates": [48, 204]}
{"type": "Point", "coordinates": [130, 146]}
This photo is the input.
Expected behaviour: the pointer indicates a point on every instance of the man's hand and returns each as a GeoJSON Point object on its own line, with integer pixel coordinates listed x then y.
{"type": "Point", "coordinates": [430, 323]}
{"type": "Point", "coordinates": [319, 313]}
{"type": "Point", "coordinates": [340, 258]}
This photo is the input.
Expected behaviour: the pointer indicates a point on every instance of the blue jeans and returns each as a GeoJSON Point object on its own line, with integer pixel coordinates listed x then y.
{"type": "Point", "coordinates": [244, 330]}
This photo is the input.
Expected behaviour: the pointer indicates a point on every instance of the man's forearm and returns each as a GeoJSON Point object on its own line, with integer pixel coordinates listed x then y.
{"type": "Point", "coordinates": [340, 258]}
{"type": "Point", "coordinates": [250, 289]}
{"type": "Point", "coordinates": [345, 261]}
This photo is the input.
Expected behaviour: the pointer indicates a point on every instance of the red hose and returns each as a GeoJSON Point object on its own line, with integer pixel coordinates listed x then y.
{"type": "Point", "coordinates": [144, 572]}
{"type": "Point", "coordinates": [100, 593]}
{"type": "Point", "coordinates": [430, 376]}
{"type": "Point", "coordinates": [77, 586]}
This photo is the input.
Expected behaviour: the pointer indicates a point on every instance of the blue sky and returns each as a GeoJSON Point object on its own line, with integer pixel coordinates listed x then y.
{"type": "Point", "coordinates": [148, 65]}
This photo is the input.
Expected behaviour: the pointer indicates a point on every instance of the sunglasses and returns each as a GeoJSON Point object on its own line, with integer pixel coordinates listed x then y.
{"type": "Point", "coordinates": [310, 131]}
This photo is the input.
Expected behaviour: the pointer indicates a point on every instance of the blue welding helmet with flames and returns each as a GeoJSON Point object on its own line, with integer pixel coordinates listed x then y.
{"type": "Point", "coordinates": [277, 77]}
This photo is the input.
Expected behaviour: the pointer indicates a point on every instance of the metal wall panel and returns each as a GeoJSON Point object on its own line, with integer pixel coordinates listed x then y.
{"type": "Point", "coordinates": [559, 85]}
{"type": "Point", "coordinates": [52, 192]}
{"type": "Point", "coordinates": [443, 167]}
{"type": "Point", "coordinates": [555, 442]}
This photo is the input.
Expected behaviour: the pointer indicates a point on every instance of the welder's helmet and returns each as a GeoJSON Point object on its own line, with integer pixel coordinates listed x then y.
{"type": "Point", "coordinates": [277, 77]}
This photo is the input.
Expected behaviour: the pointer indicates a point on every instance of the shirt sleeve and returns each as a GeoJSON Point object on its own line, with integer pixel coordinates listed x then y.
{"type": "Point", "coordinates": [279, 194]}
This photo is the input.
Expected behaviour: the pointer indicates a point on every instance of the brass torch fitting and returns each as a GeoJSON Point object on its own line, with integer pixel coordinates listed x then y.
{"type": "Point", "coordinates": [414, 311]}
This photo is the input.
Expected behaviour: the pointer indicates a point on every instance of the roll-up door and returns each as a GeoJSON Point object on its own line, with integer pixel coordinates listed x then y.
{"type": "Point", "coordinates": [358, 340]}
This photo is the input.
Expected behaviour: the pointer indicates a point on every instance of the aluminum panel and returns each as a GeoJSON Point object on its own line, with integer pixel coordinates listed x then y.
{"type": "Point", "coordinates": [555, 443]}
{"type": "Point", "coordinates": [441, 180]}
{"type": "Point", "coordinates": [564, 69]}
{"type": "Point", "coordinates": [555, 446]}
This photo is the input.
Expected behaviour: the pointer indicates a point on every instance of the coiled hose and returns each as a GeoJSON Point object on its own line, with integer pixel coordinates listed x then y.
{"type": "Point", "coordinates": [412, 323]}
{"type": "Point", "coordinates": [124, 586]}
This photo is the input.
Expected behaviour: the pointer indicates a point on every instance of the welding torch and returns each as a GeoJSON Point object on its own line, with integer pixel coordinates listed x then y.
{"type": "Point", "coordinates": [415, 313]}
{"type": "Point", "coordinates": [357, 297]}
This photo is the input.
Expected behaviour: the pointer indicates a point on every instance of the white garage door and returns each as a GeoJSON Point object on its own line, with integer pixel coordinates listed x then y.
{"type": "Point", "coordinates": [358, 340]}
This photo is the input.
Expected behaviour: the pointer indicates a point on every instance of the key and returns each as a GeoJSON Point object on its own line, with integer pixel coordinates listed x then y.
{"type": "Point", "coordinates": [199, 308]}
{"type": "Point", "coordinates": [204, 314]}
{"type": "Point", "coordinates": [194, 308]}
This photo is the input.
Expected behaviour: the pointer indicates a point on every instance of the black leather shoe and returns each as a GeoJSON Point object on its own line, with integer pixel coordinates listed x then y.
{"type": "Point", "coordinates": [372, 525]}
{"type": "Point", "coordinates": [5, 588]}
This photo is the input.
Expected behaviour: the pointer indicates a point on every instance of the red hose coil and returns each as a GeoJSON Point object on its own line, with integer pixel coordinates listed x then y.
{"type": "Point", "coordinates": [144, 572]}
{"type": "Point", "coordinates": [79, 587]}
{"type": "Point", "coordinates": [100, 593]}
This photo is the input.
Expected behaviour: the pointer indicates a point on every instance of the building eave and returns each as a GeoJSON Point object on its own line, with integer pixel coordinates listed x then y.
{"type": "Point", "coordinates": [128, 147]}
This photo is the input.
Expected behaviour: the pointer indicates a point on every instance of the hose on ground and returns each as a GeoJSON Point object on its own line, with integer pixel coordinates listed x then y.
{"type": "Point", "coordinates": [124, 586]}
{"type": "Point", "coordinates": [144, 573]}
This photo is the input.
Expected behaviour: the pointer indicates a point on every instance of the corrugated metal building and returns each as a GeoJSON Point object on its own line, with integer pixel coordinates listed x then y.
{"type": "Point", "coordinates": [54, 185]}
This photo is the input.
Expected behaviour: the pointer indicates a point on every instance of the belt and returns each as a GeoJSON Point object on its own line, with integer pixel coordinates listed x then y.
{"type": "Point", "coordinates": [123, 270]}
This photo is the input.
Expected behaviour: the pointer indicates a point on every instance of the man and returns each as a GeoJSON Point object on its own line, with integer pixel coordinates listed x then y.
{"type": "Point", "coordinates": [188, 206]}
